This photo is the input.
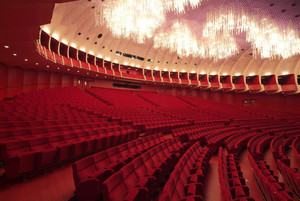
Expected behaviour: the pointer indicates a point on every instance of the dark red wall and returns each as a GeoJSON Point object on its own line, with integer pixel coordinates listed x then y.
{"type": "Point", "coordinates": [15, 81]}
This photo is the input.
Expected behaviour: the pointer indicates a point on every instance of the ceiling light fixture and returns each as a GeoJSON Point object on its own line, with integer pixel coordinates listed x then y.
{"type": "Point", "coordinates": [6, 46]}
{"type": "Point", "coordinates": [267, 38]}
{"type": "Point", "coordinates": [45, 29]}
{"type": "Point", "coordinates": [55, 36]}
{"type": "Point", "coordinates": [138, 19]}
{"type": "Point", "coordinates": [73, 45]}
{"type": "Point", "coordinates": [64, 42]}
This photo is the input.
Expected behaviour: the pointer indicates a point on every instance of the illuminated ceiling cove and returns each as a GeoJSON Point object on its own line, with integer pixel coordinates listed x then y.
{"type": "Point", "coordinates": [165, 31]}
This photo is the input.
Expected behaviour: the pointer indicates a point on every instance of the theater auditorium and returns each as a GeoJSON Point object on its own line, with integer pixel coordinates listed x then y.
{"type": "Point", "coordinates": [150, 100]}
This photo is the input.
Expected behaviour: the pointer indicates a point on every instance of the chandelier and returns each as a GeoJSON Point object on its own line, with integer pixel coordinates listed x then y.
{"type": "Point", "coordinates": [179, 39]}
{"type": "Point", "coordinates": [138, 19]}
{"type": "Point", "coordinates": [265, 36]}
{"type": "Point", "coordinates": [141, 19]}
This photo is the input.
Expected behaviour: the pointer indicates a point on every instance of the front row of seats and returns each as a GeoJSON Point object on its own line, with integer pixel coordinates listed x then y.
{"type": "Point", "coordinates": [90, 172]}
{"type": "Point", "coordinates": [139, 179]}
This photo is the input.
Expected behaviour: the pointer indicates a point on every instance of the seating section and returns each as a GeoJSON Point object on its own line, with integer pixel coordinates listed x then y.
{"type": "Point", "coordinates": [235, 143]}
{"type": "Point", "coordinates": [232, 183]}
{"type": "Point", "coordinates": [268, 182]}
{"type": "Point", "coordinates": [186, 181]}
{"type": "Point", "coordinates": [139, 179]}
{"type": "Point", "coordinates": [144, 116]}
{"type": "Point", "coordinates": [90, 172]}
{"type": "Point", "coordinates": [257, 145]}
{"type": "Point", "coordinates": [55, 127]}
{"type": "Point", "coordinates": [116, 138]}
{"type": "Point", "coordinates": [291, 176]}
{"type": "Point", "coordinates": [279, 148]}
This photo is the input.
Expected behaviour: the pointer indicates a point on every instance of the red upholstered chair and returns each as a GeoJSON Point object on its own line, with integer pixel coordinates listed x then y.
{"type": "Point", "coordinates": [46, 154]}
{"type": "Point", "coordinates": [87, 187]}
{"type": "Point", "coordinates": [64, 149]}
{"type": "Point", "coordinates": [114, 189]}
{"type": "Point", "coordinates": [19, 158]}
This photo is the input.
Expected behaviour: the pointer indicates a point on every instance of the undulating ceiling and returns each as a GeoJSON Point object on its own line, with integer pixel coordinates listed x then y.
{"type": "Point", "coordinates": [75, 23]}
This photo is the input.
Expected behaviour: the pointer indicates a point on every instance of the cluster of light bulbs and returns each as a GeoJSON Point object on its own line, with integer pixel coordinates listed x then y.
{"type": "Point", "coordinates": [140, 19]}
{"type": "Point", "coordinates": [265, 36]}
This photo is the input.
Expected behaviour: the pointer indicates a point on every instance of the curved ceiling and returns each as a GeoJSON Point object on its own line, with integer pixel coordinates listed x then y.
{"type": "Point", "coordinates": [74, 23]}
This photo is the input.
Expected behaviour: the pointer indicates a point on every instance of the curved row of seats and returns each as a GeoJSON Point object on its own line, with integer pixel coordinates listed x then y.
{"type": "Point", "coordinates": [90, 172]}
{"type": "Point", "coordinates": [232, 183]}
{"type": "Point", "coordinates": [139, 179]}
{"type": "Point", "coordinates": [195, 132]}
{"type": "Point", "coordinates": [187, 179]}
{"type": "Point", "coordinates": [268, 183]}
{"type": "Point", "coordinates": [217, 138]}
{"type": "Point", "coordinates": [144, 114]}
{"type": "Point", "coordinates": [258, 144]}
{"type": "Point", "coordinates": [278, 148]}
{"type": "Point", "coordinates": [25, 156]}
{"type": "Point", "coordinates": [296, 148]}
{"type": "Point", "coordinates": [237, 142]}
{"type": "Point", "coordinates": [45, 128]}
{"type": "Point", "coordinates": [291, 176]}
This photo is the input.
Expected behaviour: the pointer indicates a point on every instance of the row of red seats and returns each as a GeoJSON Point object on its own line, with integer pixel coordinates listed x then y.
{"type": "Point", "coordinates": [195, 114]}
{"type": "Point", "coordinates": [139, 179]}
{"type": "Point", "coordinates": [113, 96]}
{"type": "Point", "coordinates": [164, 126]}
{"type": "Point", "coordinates": [296, 148]}
{"type": "Point", "coordinates": [186, 181]}
{"type": "Point", "coordinates": [163, 100]}
{"type": "Point", "coordinates": [68, 119]}
{"type": "Point", "coordinates": [291, 176]}
{"type": "Point", "coordinates": [279, 145]}
{"type": "Point", "coordinates": [257, 144]}
{"type": "Point", "coordinates": [268, 182]}
{"type": "Point", "coordinates": [63, 128]}
{"type": "Point", "coordinates": [90, 172]}
{"type": "Point", "coordinates": [217, 138]}
{"type": "Point", "coordinates": [237, 142]}
{"type": "Point", "coordinates": [195, 132]}
{"type": "Point", "coordinates": [37, 115]}
{"type": "Point", "coordinates": [25, 156]}
{"type": "Point", "coordinates": [232, 183]}
{"type": "Point", "coordinates": [277, 127]}
{"type": "Point", "coordinates": [150, 121]}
